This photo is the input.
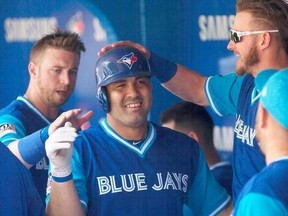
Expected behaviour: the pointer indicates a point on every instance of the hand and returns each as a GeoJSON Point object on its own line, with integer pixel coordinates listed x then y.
{"type": "Point", "coordinates": [72, 117]}
{"type": "Point", "coordinates": [125, 43]}
{"type": "Point", "coordinates": [59, 147]}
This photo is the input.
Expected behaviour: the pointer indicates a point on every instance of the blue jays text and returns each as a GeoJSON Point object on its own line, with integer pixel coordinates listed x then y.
{"type": "Point", "coordinates": [136, 181]}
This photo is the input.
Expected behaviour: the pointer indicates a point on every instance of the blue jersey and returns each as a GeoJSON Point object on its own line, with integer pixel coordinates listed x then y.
{"type": "Point", "coordinates": [266, 193]}
{"type": "Point", "coordinates": [18, 194]}
{"type": "Point", "coordinates": [223, 173]}
{"type": "Point", "coordinates": [233, 95]}
{"type": "Point", "coordinates": [19, 119]}
{"type": "Point", "coordinates": [158, 176]}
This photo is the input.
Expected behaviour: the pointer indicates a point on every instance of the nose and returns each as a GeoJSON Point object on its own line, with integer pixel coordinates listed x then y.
{"type": "Point", "coordinates": [65, 78]}
{"type": "Point", "coordinates": [230, 45]}
{"type": "Point", "coordinates": [133, 90]}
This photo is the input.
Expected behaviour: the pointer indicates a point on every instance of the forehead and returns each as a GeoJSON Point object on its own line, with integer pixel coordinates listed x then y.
{"type": "Point", "coordinates": [55, 55]}
{"type": "Point", "coordinates": [129, 79]}
{"type": "Point", "coordinates": [243, 21]}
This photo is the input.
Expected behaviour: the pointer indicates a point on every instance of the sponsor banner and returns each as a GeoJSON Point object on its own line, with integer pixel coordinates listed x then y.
{"type": "Point", "coordinates": [26, 21]}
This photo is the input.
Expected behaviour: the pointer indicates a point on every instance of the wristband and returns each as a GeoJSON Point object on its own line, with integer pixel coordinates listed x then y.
{"type": "Point", "coordinates": [62, 179]}
{"type": "Point", "coordinates": [60, 172]}
{"type": "Point", "coordinates": [32, 147]}
{"type": "Point", "coordinates": [162, 68]}
{"type": "Point", "coordinates": [44, 134]}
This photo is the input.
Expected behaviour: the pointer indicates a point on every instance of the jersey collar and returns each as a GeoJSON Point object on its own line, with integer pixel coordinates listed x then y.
{"type": "Point", "coordinates": [31, 106]}
{"type": "Point", "coordinates": [255, 95]}
{"type": "Point", "coordinates": [141, 149]}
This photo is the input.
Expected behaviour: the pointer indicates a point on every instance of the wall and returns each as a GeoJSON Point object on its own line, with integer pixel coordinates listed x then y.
{"type": "Point", "coordinates": [189, 32]}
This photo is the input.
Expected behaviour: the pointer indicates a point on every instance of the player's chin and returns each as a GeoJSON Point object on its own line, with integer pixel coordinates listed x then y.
{"type": "Point", "coordinates": [61, 101]}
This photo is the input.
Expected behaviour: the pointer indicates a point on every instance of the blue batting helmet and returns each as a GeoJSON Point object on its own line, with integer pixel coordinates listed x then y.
{"type": "Point", "coordinates": [116, 64]}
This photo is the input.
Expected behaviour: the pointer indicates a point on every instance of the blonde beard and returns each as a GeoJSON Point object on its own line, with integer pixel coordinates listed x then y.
{"type": "Point", "coordinates": [248, 62]}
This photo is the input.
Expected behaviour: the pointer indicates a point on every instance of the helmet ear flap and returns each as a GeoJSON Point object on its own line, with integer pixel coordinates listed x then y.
{"type": "Point", "coordinates": [103, 99]}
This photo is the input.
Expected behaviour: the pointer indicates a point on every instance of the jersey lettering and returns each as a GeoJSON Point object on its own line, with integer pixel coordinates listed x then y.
{"type": "Point", "coordinates": [137, 182]}
{"type": "Point", "coordinates": [244, 132]}
{"type": "Point", "coordinates": [42, 164]}
{"type": "Point", "coordinates": [6, 128]}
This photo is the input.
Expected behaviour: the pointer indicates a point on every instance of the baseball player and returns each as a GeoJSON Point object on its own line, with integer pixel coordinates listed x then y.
{"type": "Point", "coordinates": [195, 121]}
{"type": "Point", "coordinates": [266, 193]}
{"type": "Point", "coordinates": [53, 67]}
{"type": "Point", "coordinates": [127, 165]}
{"type": "Point", "coordinates": [17, 191]}
{"type": "Point", "coordinates": [260, 39]}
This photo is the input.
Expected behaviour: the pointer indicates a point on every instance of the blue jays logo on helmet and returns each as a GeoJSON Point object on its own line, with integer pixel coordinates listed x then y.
{"type": "Point", "coordinates": [116, 64]}
{"type": "Point", "coordinates": [128, 60]}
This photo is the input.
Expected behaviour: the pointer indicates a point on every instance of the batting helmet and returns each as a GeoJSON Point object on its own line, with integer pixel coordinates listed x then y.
{"type": "Point", "coordinates": [116, 64]}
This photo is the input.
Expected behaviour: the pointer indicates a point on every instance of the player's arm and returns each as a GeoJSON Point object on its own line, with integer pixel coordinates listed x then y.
{"type": "Point", "coordinates": [259, 204]}
{"type": "Point", "coordinates": [31, 149]}
{"type": "Point", "coordinates": [188, 85]}
{"type": "Point", "coordinates": [183, 82]}
{"type": "Point", "coordinates": [63, 198]}
{"type": "Point", "coordinates": [206, 196]}
{"type": "Point", "coordinates": [227, 211]}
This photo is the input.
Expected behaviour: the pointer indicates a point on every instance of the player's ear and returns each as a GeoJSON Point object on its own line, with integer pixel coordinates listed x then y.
{"type": "Point", "coordinates": [261, 117]}
{"type": "Point", "coordinates": [32, 67]}
{"type": "Point", "coordinates": [193, 135]}
{"type": "Point", "coordinates": [265, 40]}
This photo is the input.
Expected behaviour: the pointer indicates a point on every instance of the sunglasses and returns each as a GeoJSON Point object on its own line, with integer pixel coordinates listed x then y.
{"type": "Point", "coordinates": [235, 36]}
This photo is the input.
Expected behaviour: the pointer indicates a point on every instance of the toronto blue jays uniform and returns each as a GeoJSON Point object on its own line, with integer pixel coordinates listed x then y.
{"type": "Point", "coordinates": [223, 173]}
{"type": "Point", "coordinates": [18, 194]}
{"type": "Point", "coordinates": [233, 95]}
{"type": "Point", "coordinates": [157, 176]}
{"type": "Point", "coordinates": [266, 193]}
{"type": "Point", "coordinates": [19, 119]}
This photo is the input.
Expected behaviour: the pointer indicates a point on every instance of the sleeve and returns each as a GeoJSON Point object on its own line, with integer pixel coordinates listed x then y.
{"type": "Point", "coordinates": [206, 196]}
{"type": "Point", "coordinates": [11, 129]}
{"type": "Point", "coordinates": [79, 178]}
{"type": "Point", "coordinates": [223, 92]}
{"type": "Point", "coordinates": [259, 204]}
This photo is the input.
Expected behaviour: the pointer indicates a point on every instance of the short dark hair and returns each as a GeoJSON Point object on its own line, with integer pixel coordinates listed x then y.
{"type": "Point", "coordinates": [60, 39]}
{"type": "Point", "coordinates": [187, 115]}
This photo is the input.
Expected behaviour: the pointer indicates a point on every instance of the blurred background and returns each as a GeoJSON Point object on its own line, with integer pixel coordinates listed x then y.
{"type": "Point", "coordinates": [191, 32]}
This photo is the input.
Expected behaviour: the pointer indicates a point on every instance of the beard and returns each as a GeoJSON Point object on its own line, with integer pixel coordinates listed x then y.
{"type": "Point", "coordinates": [49, 96]}
{"type": "Point", "coordinates": [248, 61]}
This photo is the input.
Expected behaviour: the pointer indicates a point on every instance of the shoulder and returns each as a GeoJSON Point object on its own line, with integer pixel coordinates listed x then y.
{"type": "Point", "coordinates": [173, 136]}
{"type": "Point", "coordinates": [270, 181]}
{"type": "Point", "coordinates": [93, 134]}
{"type": "Point", "coordinates": [14, 106]}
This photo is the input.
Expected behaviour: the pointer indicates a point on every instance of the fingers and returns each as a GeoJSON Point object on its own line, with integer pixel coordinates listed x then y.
{"type": "Point", "coordinates": [124, 43]}
{"type": "Point", "coordinates": [68, 115]}
{"type": "Point", "coordinates": [62, 119]}
{"type": "Point", "coordinates": [68, 124]}
{"type": "Point", "coordinates": [84, 118]}
{"type": "Point", "coordinates": [72, 117]}
{"type": "Point", "coordinates": [63, 145]}
{"type": "Point", "coordinates": [64, 134]}
{"type": "Point", "coordinates": [62, 138]}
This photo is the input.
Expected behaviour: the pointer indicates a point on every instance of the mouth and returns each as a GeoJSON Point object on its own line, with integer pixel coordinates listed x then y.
{"type": "Point", "coordinates": [62, 93]}
{"type": "Point", "coordinates": [236, 54]}
{"type": "Point", "coordinates": [133, 105]}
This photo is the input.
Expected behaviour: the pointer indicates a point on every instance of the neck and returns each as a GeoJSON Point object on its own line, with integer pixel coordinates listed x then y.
{"type": "Point", "coordinates": [212, 157]}
{"type": "Point", "coordinates": [273, 58]}
{"type": "Point", "coordinates": [275, 144]}
{"type": "Point", "coordinates": [129, 132]}
{"type": "Point", "coordinates": [50, 113]}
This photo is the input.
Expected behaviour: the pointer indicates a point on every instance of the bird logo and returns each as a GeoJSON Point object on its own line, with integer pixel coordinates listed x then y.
{"type": "Point", "coordinates": [128, 60]}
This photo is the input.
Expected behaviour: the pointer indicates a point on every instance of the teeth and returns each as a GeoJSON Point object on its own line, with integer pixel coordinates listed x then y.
{"type": "Point", "coordinates": [133, 105]}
